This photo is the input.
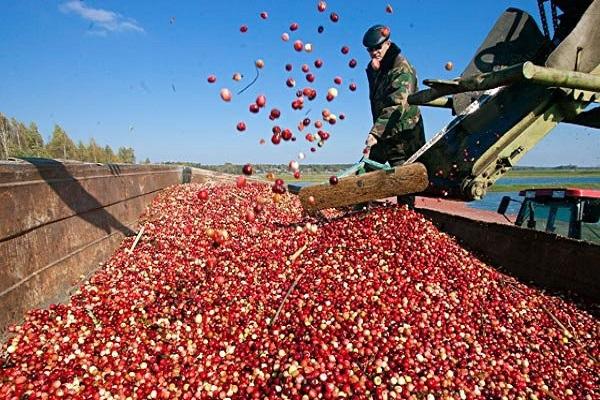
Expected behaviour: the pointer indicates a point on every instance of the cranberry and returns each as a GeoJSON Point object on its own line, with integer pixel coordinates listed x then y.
{"type": "Point", "coordinates": [261, 101]}
{"type": "Point", "coordinates": [203, 195]}
{"type": "Point", "coordinates": [274, 114]}
{"type": "Point", "coordinates": [240, 181]}
{"type": "Point", "coordinates": [286, 134]}
{"type": "Point", "coordinates": [247, 169]}
{"type": "Point", "coordinates": [225, 94]}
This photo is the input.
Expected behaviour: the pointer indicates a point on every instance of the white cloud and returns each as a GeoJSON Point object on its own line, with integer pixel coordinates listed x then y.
{"type": "Point", "coordinates": [102, 21]}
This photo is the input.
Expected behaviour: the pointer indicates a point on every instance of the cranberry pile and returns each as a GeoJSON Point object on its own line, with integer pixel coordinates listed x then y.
{"type": "Point", "coordinates": [229, 294]}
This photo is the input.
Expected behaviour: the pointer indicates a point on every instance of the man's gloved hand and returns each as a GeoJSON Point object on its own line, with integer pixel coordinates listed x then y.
{"type": "Point", "coordinates": [370, 142]}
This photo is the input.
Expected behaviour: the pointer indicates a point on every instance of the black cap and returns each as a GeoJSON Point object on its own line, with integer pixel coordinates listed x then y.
{"type": "Point", "coordinates": [376, 35]}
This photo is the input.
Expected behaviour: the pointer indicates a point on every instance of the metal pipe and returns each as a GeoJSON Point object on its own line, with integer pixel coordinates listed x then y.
{"type": "Point", "coordinates": [527, 71]}
{"type": "Point", "coordinates": [556, 77]}
{"type": "Point", "coordinates": [442, 102]}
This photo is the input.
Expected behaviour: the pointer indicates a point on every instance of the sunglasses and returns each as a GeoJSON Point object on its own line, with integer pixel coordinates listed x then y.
{"type": "Point", "coordinates": [375, 48]}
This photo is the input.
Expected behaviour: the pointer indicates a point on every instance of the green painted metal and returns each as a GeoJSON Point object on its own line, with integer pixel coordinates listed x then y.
{"type": "Point", "coordinates": [441, 102]}
{"type": "Point", "coordinates": [527, 71]}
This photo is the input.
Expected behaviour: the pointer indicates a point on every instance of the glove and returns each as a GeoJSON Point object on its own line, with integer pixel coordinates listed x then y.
{"type": "Point", "coordinates": [370, 142]}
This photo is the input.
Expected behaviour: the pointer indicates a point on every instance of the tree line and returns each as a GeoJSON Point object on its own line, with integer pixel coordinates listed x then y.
{"type": "Point", "coordinates": [18, 140]}
{"type": "Point", "coordinates": [230, 168]}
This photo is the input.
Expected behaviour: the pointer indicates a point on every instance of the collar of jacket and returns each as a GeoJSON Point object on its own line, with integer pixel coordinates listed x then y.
{"type": "Point", "coordinates": [388, 60]}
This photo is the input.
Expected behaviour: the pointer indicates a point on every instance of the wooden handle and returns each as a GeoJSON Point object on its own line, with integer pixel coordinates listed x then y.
{"type": "Point", "coordinates": [401, 180]}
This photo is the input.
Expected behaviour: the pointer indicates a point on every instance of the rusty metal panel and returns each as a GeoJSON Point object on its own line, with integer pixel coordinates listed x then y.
{"type": "Point", "coordinates": [548, 261]}
{"type": "Point", "coordinates": [34, 195]}
{"type": "Point", "coordinates": [59, 220]}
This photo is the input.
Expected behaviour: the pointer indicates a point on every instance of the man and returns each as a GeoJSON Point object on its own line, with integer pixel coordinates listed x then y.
{"type": "Point", "coordinates": [397, 130]}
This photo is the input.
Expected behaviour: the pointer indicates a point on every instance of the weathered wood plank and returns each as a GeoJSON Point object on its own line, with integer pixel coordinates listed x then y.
{"type": "Point", "coordinates": [405, 179]}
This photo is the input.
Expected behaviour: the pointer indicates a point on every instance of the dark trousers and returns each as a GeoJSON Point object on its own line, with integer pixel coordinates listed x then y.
{"type": "Point", "coordinates": [397, 149]}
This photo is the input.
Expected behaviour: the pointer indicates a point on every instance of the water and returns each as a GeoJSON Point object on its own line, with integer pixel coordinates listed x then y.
{"type": "Point", "coordinates": [557, 181]}
{"type": "Point", "coordinates": [491, 201]}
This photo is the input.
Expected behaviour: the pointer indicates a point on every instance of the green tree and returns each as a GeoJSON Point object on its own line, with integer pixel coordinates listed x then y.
{"type": "Point", "coordinates": [4, 128]}
{"type": "Point", "coordinates": [60, 144]}
{"type": "Point", "coordinates": [94, 151]}
{"type": "Point", "coordinates": [34, 141]}
{"type": "Point", "coordinates": [107, 155]}
{"type": "Point", "coordinates": [82, 151]}
{"type": "Point", "coordinates": [126, 155]}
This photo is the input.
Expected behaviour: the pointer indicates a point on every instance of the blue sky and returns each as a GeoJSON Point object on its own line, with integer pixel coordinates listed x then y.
{"type": "Point", "coordinates": [134, 73]}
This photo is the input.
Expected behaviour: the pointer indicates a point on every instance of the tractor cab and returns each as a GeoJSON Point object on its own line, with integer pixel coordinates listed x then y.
{"type": "Point", "coordinates": [570, 212]}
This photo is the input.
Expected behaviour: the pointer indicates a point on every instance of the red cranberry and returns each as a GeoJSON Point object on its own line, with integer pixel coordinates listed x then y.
{"type": "Point", "coordinates": [247, 169]}
{"type": "Point", "coordinates": [274, 114]}
{"type": "Point", "coordinates": [286, 134]}
{"type": "Point", "coordinates": [261, 100]}
{"type": "Point", "coordinates": [203, 194]}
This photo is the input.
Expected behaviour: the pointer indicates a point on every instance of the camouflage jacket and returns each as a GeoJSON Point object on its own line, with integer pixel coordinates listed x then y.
{"type": "Point", "coordinates": [389, 88]}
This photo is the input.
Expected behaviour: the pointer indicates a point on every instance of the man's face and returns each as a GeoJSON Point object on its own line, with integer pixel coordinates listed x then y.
{"type": "Point", "coordinates": [377, 53]}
